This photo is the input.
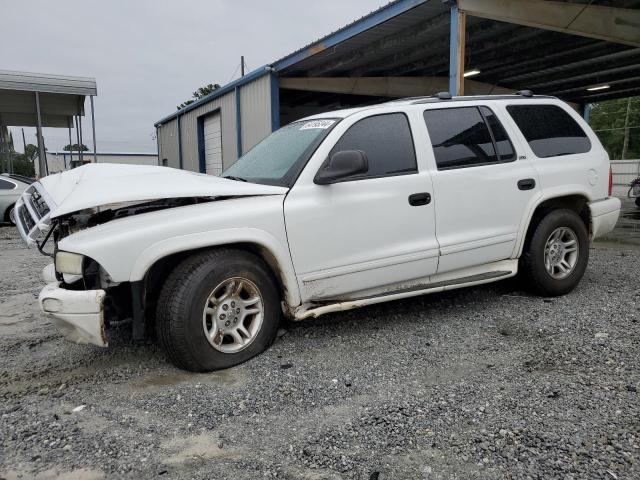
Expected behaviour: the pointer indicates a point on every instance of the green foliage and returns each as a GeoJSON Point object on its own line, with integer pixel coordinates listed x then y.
{"type": "Point", "coordinates": [617, 124]}
{"type": "Point", "coordinates": [23, 166]}
{"type": "Point", "coordinates": [198, 94]}
{"type": "Point", "coordinates": [75, 148]}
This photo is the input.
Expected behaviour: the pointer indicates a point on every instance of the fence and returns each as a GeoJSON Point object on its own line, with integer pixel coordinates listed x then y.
{"type": "Point", "coordinates": [624, 171]}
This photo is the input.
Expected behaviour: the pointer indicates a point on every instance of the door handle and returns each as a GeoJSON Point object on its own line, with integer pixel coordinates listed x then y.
{"type": "Point", "coordinates": [526, 184]}
{"type": "Point", "coordinates": [418, 199]}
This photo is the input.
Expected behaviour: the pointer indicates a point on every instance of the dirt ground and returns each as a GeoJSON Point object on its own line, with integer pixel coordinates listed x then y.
{"type": "Point", "coordinates": [486, 382]}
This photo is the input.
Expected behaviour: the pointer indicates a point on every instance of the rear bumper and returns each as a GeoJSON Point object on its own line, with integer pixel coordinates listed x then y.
{"type": "Point", "coordinates": [604, 215]}
{"type": "Point", "coordinates": [79, 314]}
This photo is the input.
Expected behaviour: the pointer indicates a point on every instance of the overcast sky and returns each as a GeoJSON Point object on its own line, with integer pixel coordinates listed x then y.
{"type": "Point", "coordinates": [150, 55]}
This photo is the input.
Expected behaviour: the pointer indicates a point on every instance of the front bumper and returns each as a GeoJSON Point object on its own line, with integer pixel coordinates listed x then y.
{"type": "Point", "coordinates": [604, 215]}
{"type": "Point", "coordinates": [79, 314]}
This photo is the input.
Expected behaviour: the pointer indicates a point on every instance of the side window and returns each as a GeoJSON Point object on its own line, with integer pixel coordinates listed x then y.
{"type": "Point", "coordinates": [550, 130]}
{"type": "Point", "coordinates": [386, 140]}
{"type": "Point", "coordinates": [4, 185]}
{"type": "Point", "coordinates": [461, 138]}
{"type": "Point", "coordinates": [500, 137]}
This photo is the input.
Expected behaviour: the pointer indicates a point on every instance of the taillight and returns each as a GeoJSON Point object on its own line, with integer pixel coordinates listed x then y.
{"type": "Point", "coordinates": [610, 181]}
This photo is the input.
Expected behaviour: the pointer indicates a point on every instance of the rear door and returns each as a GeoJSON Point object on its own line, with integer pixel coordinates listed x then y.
{"type": "Point", "coordinates": [367, 234]}
{"type": "Point", "coordinates": [482, 187]}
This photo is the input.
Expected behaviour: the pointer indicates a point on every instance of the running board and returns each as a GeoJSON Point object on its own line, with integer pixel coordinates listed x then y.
{"type": "Point", "coordinates": [312, 310]}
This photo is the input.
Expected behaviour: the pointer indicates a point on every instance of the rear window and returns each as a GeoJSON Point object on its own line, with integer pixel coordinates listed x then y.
{"type": "Point", "coordinates": [550, 131]}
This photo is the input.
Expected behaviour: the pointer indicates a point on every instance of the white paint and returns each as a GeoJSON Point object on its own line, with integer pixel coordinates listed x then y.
{"type": "Point", "coordinates": [77, 313]}
{"type": "Point", "coordinates": [96, 185]}
{"type": "Point", "coordinates": [213, 144]}
{"type": "Point", "coordinates": [339, 242]}
{"type": "Point", "coordinates": [9, 196]}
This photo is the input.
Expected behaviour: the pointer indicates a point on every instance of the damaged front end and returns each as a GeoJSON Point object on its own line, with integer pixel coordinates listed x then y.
{"type": "Point", "coordinates": [80, 297]}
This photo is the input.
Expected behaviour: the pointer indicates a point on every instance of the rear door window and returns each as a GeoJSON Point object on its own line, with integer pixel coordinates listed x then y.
{"type": "Point", "coordinates": [386, 140]}
{"type": "Point", "coordinates": [467, 137]}
{"type": "Point", "coordinates": [549, 130]}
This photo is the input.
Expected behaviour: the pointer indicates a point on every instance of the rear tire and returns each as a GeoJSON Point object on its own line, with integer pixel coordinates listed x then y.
{"type": "Point", "coordinates": [192, 327]}
{"type": "Point", "coordinates": [557, 254]}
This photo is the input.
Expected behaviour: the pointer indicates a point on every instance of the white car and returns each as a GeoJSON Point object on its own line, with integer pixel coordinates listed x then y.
{"type": "Point", "coordinates": [328, 213]}
{"type": "Point", "coordinates": [11, 187]}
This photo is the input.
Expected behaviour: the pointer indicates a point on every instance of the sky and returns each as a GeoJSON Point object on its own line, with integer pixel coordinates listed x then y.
{"type": "Point", "coordinates": [148, 56]}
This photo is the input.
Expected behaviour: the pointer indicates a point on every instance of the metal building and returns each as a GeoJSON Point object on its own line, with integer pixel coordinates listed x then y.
{"type": "Point", "coordinates": [582, 51]}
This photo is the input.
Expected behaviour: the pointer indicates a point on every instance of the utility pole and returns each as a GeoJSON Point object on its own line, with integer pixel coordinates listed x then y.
{"type": "Point", "coordinates": [242, 66]}
{"type": "Point", "coordinates": [24, 142]}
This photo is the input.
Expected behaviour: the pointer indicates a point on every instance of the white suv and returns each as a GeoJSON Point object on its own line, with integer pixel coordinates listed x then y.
{"type": "Point", "coordinates": [328, 213]}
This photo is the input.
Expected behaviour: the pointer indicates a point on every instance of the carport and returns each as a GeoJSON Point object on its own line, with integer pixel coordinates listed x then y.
{"type": "Point", "coordinates": [580, 51]}
{"type": "Point", "coordinates": [42, 100]}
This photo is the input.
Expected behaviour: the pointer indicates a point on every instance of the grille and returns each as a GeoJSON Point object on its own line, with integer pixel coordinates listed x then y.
{"type": "Point", "coordinates": [32, 214]}
{"type": "Point", "coordinates": [38, 203]}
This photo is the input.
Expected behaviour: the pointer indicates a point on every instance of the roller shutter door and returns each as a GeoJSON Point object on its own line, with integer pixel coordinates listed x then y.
{"type": "Point", "coordinates": [213, 144]}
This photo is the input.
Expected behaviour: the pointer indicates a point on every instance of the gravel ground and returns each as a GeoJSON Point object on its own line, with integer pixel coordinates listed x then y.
{"type": "Point", "coordinates": [486, 382]}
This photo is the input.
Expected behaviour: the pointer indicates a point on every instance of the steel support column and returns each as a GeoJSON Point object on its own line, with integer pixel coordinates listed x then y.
{"type": "Point", "coordinates": [70, 146]}
{"type": "Point", "coordinates": [42, 159]}
{"type": "Point", "coordinates": [456, 51]}
{"type": "Point", "coordinates": [93, 130]}
{"type": "Point", "coordinates": [76, 117]}
{"type": "Point", "coordinates": [586, 112]}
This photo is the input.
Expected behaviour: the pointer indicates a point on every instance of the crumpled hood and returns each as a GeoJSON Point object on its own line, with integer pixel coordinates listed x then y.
{"type": "Point", "coordinates": [95, 185]}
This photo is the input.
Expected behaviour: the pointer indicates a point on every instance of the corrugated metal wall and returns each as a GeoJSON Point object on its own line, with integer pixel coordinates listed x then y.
{"type": "Point", "coordinates": [255, 107]}
{"type": "Point", "coordinates": [168, 143]}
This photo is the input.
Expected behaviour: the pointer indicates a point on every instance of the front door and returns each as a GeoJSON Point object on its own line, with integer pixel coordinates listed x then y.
{"type": "Point", "coordinates": [481, 187]}
{"type": "Point", "coordinates": [365, 235]}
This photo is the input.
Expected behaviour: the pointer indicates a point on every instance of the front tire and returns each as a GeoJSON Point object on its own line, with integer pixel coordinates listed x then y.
{"type": "Point", "coordinates": [217, 309]}
{"type": "Point", "coordinates": [557, 254]}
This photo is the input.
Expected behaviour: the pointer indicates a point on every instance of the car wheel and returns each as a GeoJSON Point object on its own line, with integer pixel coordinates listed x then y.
{"type": "Point", "coordinates": [637, 201]}
{"type": "Point", "coordinates": [10, 216]}
{"type": "Point", "coordinates": [557, 254]}
{"type": "Point", "coordinates": [217, 309]}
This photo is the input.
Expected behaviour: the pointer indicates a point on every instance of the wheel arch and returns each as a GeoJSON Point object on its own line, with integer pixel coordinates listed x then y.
{"type": "Point", "coordinates": [577, 202]}
{"type": "Point", "coordinates": [152, 266]}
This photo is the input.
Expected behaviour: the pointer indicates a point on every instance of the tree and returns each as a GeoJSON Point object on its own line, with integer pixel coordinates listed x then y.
{"type": "Point", "coordinates": [23, 166]}
{"type": "Point", "coordinates": [198, 94]}
{"type": "Point", "coordinates": [23, 163]}
{"type": "Point", "coordinates": [74, 147]}
{"type": "Point", "coordinates": [617, 124]}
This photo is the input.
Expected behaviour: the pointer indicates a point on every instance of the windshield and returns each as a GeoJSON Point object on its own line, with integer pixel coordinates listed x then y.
{"type": "Point", "coordinates": [279, 158]}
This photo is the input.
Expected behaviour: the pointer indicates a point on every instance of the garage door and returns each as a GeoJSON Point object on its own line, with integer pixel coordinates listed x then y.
{"type": "Point", "coordinates": [212, 144]}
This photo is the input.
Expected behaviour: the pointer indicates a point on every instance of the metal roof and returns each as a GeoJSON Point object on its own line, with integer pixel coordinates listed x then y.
{"type": "Point", "coordinates": [411, 38]}
{"type": "Point", "coordinates": [40, 82]}
{"type": "Point", "coordinates": [61, 97]}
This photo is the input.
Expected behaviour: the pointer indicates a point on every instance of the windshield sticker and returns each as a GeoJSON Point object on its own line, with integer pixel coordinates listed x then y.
{"type": "Point", "coordinates": [323, 124]}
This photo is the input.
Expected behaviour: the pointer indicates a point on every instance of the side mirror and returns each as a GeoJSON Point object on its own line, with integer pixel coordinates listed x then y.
{"type": "Point", "coordinates": [342, 165]}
